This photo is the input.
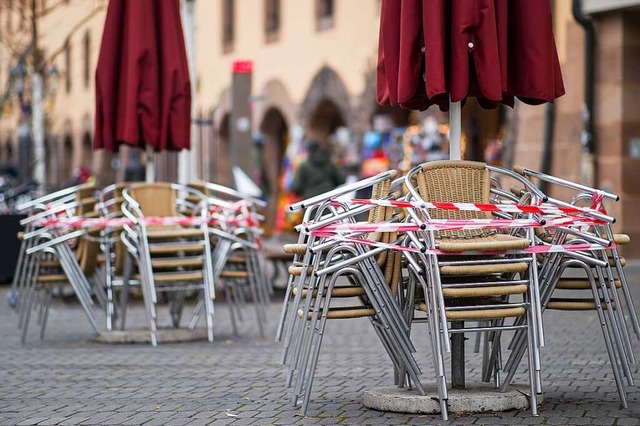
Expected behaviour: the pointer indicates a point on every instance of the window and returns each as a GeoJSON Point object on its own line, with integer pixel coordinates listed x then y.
{"type": "Point", "coordinates": [228, 27]}
{"type": "Point", "coordinates": [324, 14]}
{"type": "Point", "coordinates": [87, 60]}
{"type": "Point", "coordinates": [67, 65]}
{"type": "Point", "coordinates": [9, 15]}
{"type": "Point", "coordinates": [272, 20]}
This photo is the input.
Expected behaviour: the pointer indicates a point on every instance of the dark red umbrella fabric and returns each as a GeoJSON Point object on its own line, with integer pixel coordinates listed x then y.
{"type": "Point", "coordinates": [433, 50]}
{"type": "Point", "coordinates": [143, 93]}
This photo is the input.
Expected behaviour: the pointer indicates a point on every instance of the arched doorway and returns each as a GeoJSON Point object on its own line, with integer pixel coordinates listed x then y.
{"type": "Point", "coordinates": [324, 120]}
{"type": "Point", "coordinates": [86, 158]}
{"type": "Point", "coordinates": [275, 136]}
{"type": "Point", "coordinates": [9, 151]}
{"type": "Point", "coordinates": [66, 160]}
{"type": "Point", "coordinates": [221, 152]}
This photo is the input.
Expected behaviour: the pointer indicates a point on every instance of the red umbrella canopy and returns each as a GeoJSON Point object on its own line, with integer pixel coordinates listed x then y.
{"type": "Point", "coordinates": [143, 93]}
{"type": "Point", "coordinates": [434, 51]}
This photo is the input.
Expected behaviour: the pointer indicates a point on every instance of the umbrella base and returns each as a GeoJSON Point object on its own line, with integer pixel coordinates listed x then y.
{"type": "Point", "coordinates": [165, 335]}
{"type": "Point", "coordinates": [474, 399]}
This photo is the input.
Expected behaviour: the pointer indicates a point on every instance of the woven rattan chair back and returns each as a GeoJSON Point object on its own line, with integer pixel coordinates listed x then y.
{"type": "Point", "coordinates": [457, 182]}
{"type": "Point", "coordinates": [155, 199]}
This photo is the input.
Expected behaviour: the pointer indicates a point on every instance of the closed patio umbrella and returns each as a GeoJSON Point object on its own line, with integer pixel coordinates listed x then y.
{"type": "Point", "coordinates": [439, 52]}
{"type": "Point", "coordinates": [143, 94]}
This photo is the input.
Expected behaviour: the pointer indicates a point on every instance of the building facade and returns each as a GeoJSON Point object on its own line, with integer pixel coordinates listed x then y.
{"type": "Point", "coordinates": [314, 76]}
{"type": "Point", "coordinates": [614, 163]}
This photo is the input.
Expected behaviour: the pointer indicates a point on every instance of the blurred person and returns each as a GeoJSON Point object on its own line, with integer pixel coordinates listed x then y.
{"type": "Point", "coordinates": [317, 174]}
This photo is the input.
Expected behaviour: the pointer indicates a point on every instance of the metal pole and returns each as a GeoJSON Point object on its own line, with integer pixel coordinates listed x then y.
{"type": "Point", "coordinates": [457, 356]}
{"type": "Point", "coordinates": [188, 160]}
{"type": "Point", "coordinates": [455, 130]}
{"type": "Point", "coordinates": [37, 125]}
{"type": "Point", "coordinates": [37, 108]}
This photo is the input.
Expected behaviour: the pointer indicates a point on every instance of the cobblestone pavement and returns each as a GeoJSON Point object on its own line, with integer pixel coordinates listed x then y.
{"type": "Point", "coordinates": [68, 379]}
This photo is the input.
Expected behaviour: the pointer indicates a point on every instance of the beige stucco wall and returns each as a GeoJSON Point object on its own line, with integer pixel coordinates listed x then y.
{"type": "Point", "coordinates": [349, 48]}
{"type": "Point", "coordinates": [283, 70]}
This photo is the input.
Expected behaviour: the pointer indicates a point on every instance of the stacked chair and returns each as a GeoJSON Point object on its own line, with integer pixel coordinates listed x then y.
{"type": "Point", "coordinates": [172, 258]}
{"type": "Point", "coordinates": [372, 289]}
{"type": "Point", "coordinates": [455, 250]}
{"type": "Point", "coordinates": [239, 264]}
{"type": "Point", "coordinates": [117, 267]}
{"type": "Point", "coordinates": [170, 240]}
{"type": "Point", "coordinates": [50, 257]}
{"type": "Point", "coordinates": [601, 286]}
{"type": "Point", "coordinates": [487, 289]}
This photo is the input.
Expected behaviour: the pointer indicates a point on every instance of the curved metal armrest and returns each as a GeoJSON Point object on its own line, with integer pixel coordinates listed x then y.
{"type": "Point", "coordinates": [53, 196]}
{"type": "Point", "coordinates": [221, 189]}
{"type": "Point", "coordinates": [48, 212]}
{"type": "Point", "coordinates": [531, 187]}
{"type": "Point", "coordinates": [563, 182]}
{"type": "Point", "coordinates": [341, 190]}
{"type": "Point", "coordinates": [54, 240]}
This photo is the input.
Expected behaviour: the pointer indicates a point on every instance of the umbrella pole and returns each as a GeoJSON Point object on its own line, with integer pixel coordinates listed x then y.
{"type": "Point", "coordinates": [150, 171]}
{"type": "Point", "coordinates": [455, 129]}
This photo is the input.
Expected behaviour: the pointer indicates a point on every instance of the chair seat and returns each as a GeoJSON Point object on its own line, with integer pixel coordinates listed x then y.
{"type": "Point", "coordinates": [278, 255]}
{"type": "Point", "coordinates": [342, 313]}
{"type": "Point", "coordinates": [295, 248]}
{"type": "Point", "coordinates": [164, 248]}
{"type": "Point", "coordinates": [567, 304]}
{"type": "Point", "coordinates": [500, 290]}
{"type": "Point", "coordinates": [50, 264]}
{"type": "Point", "coordinates": [234, 274]}
{"type": "Point", "coordinates": [579, 284]}
{"type": "Point", "coordinates": [484, 243]}
{"type": "Point", "coordinates": [297, 270]}
{"type": "Point", "coordinates": [173, 232]}
{"type": "Point", "coordinates": [166, 277]}
{"type": "Point", "coordinates": [53, 278]}
{"type": "Point", "coordinates": [350, 291]}
{"type": "Point", "coordinates": [484, 269]}
{"type": "Point", "coordinates": [177, 262]}
{"type": "Point", "coordinates": [619, 239]}
{"type": "Point", "coordinates": [481, 314]}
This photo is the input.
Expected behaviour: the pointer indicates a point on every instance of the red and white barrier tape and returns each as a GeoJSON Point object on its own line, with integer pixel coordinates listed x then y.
{"type": "Point", "coordinates": [101, 223]}
{"type": "Point", "coordinates": [458, 224]}
{"type": "Point", "coordinates": [555, 248]}
{"type": "Point", "coordinates": [478, 207]}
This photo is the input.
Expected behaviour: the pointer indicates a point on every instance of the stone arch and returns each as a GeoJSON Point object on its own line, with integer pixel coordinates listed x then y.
{"type": "Point", "coordinates": [222, 150]}
{"type": "Point", "coordinates": [274, 94]}
{"type": "Point", "coordinates": [8, 151]}
{"type": "Point", "coordinates": [274, 131]}
{"type": "Point", "coordinates": [326, 88]}
{"type": "Point", "coordinates": [86, 151]}
{"type": "Point", "coordinates": [66, 158]}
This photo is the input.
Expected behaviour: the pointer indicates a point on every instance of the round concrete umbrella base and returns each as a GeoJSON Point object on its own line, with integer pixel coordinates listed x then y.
{"type": "Point", "coordinates": [165, 335]}
{"type": "Point", "coordinates": [473, 399]}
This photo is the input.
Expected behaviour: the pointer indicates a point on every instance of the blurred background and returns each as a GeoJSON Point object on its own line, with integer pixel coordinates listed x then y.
{"type": "Point", "coordinates": [270, 75]}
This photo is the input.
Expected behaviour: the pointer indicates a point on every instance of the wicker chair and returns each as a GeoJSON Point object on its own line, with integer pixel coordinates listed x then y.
{"type": "Point", "coordinates": [239, 263]}
{"type": "Point", "coordinates": [62, 203]}
{"type": "Point", "coordinates": [481, 288]}
{"type": "Point", "coordinates": [117, 268]}
{"type": "Point", "coordinates": [54, 264]}
{"type": "Point", "coordinates": [172, 259]}
{"type": "Point", "coordinates": [602, 288]}
{"type": "Point", "coordinates": [372, 291]}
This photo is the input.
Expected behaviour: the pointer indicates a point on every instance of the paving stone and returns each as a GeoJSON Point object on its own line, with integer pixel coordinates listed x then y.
{"type": "Point", "coordinates": [68, 379]}
{"type": "Point", "coordinates": [627, 422]}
